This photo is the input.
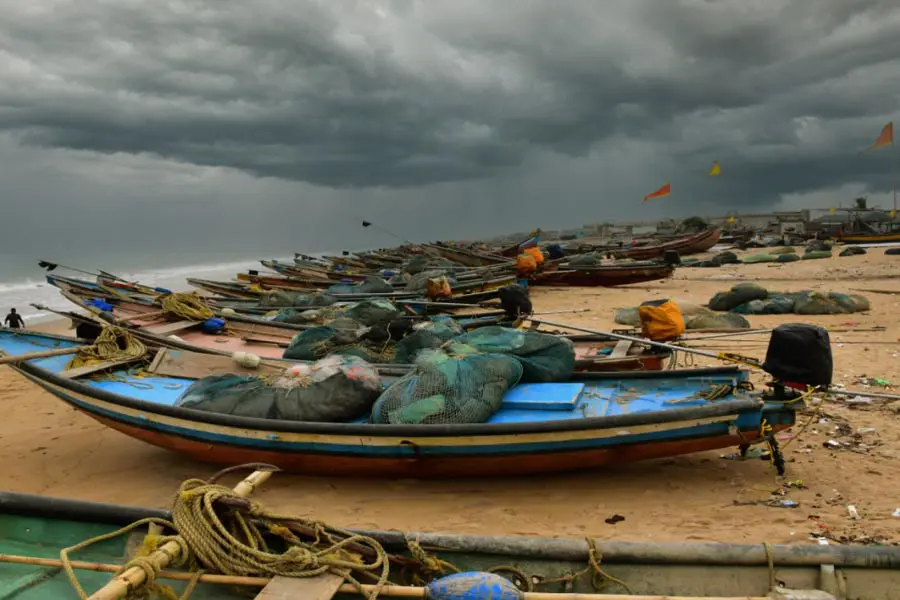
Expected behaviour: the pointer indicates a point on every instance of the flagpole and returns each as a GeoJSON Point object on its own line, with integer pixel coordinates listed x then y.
{"type": "Point", "coordinates": [894, 170]}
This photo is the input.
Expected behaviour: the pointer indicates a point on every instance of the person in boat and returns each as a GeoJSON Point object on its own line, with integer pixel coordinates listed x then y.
{"type": "Point", "coordinates": [14, 319]}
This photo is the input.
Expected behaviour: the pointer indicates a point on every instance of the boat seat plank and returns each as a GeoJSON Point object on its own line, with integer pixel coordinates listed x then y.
{"type": "Point", "coordinates": [543, 396]}
{"type": "Point", "coordinates": [96, 368]}
{"type": "Point", "coordinates": [320, 587]}
{"type": "Point", "coordinates": [273, 342]}
{"type": "Point", "coordinates": [621, 349]}
{"type": "Point", "coordinates": [167, 328]}
{"type": "Point", "coordinates": [196, 365]}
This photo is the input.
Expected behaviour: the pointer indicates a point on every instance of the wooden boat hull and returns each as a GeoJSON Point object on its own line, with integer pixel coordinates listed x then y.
{"type": "Point", "coordinates": [416, 456]}
{"type": "Point", "coordinates": [610, 276]}
{"type": "Point", "coordinates": [700, 242]}
{"type": "Point", "coordinates": [869, 238]}
{"type": "Point", "coordinates": [40, 526]}
{"type": "Point", "coordinates": [607, 429]}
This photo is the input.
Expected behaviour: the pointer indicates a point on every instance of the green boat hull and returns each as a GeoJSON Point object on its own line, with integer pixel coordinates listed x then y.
{"type": "Point", "coordinates": [37, 526]}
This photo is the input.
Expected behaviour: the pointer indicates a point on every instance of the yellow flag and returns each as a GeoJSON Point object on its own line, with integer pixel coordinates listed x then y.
{"type": "Point", "coordinates": [716, 169]}
{"type": "Point", "coordinates": [831, 210]}
{"type": "Point", "coordinates": [893, 213]}
{"type": "Point", "coordinates": [731, 219]}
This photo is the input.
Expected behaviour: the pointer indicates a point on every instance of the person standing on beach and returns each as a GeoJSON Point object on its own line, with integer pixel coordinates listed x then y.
{"type": "Point", "coordinates": [14, 320]}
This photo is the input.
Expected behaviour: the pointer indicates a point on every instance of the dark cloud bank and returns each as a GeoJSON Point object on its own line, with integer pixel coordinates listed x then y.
{"type": "Point", "coordinates": [435, 118]}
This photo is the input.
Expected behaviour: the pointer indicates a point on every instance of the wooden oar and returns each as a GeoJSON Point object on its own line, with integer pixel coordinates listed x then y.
{"type": "Point", "coordinates": [6, 360]}
{"type": "Point", "coordinates": [395, 591]}
{"type": "Point", "coordinates": [161, 557]}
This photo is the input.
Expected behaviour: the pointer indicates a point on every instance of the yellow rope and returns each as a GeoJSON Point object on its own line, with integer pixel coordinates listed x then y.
{"type": "Point", "coordinates": [113, 343]}
{"type": "Point", "coordinates": [187, 305]}
{"type": "Point", "coordinates": [220, 532]}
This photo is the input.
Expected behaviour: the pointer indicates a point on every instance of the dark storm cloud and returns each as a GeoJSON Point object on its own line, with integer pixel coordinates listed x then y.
{"type": "Point", "coordinates": [411, 93]}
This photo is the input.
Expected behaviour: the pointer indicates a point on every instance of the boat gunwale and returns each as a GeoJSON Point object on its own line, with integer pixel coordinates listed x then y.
{"type": "Point", "coordinates": [542, 548]}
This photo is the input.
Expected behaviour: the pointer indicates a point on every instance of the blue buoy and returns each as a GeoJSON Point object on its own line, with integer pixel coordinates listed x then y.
{"type": "Point", "coordinates": [213, 326]}
{"type": "Point", "coordinates": [473, 585]}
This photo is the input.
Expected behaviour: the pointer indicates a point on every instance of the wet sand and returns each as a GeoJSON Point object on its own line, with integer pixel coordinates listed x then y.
{"type": "Point", "coordinates": [50, 449]}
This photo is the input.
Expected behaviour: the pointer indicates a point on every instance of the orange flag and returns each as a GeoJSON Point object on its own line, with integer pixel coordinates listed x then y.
{"type": "Point", "coordinates": [886, 138]}
{"type": "Point", "coordinates": [663, 191]}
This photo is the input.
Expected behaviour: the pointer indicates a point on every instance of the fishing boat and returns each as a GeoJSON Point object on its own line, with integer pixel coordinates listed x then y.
{"type": "Point", "coordinates": [36, 529]}
{"type": "Point", "coordinates": [868, 238]}
{"type": "Point", "coordinates": [692, 244]}
{"type": "Point", "coordinates": [604, 275]}
{"type": "Point", "coordinates": [595, 420]}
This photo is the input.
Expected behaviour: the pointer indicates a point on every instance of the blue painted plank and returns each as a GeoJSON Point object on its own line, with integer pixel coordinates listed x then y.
{"type": "Point", "coordinates": [543, 396]}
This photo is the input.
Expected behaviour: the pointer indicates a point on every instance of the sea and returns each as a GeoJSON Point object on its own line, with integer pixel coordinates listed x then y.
{"type": "Point", "coordinates": [22, 285]}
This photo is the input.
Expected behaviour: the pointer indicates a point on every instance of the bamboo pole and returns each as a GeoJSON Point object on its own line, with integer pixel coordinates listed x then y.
{"type": "Point", "coordinates": [395, 591]}
{"type": "Point", "coordinates": [134, 576]}
{"type": "Point", "coordinates": [6, 360]}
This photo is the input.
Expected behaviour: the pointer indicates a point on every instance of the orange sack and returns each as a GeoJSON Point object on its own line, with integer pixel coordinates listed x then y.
{"type": "Point", "coordinates": [525, 264]}
{"type": "Point", "coordinates": [536, 253]}
{"type": "Point", "coordinates": [661, 320]}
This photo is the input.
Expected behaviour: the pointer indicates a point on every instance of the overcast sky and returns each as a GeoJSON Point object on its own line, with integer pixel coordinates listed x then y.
{"type": "Point", "coordinates": [236, 126]}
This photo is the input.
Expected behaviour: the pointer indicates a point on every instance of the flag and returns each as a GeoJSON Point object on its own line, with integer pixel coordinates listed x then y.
{"type": "Point", "coordinates": [716, 169]}
{"type": "Point", "coordinates": [832, 210]}
{"type": "Point", "coordinates": [366, 223]}
{"type": "Point", "coordinates": [531, 242]}
{"type": "Point", "coordinates": [731, 219]}
{"type": "Point", "coordinates": [663, 191]}
{"type": "Point", "coordinates": [885, 138]}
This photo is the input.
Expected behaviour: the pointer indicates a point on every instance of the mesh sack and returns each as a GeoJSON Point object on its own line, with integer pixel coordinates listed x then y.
{"type": "Point", "coordinates": [544, 357]}
{"type": "Point", "coordinates": [371, 285]}
{"type": "Point", "coordinates": [425, 336]}
{"type": "Point", "coordinates": [318, 342]}
{"type": "Point", "coordinates": [333, 390]}
{"type": "Point", "coordinates": [419, 281]}
{"type": "Point", "coordinates": [467, 388]}
{"type": "Point", "coordinates": [775, 304]}
{"type": "Point", "coordinates": [816, 303]}
{"type": "Point", "coordinates": [281, 298]}
{"type": "Point", "coordinates": [739, 294]}
{"type": "Point", "coordinates": [584, 260]}
{"type": "Point", "coordinates": [371, 312]}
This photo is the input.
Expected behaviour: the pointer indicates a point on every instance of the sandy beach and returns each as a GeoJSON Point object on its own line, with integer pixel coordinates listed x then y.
{"type": "Point", "coordinates": [53, 450]}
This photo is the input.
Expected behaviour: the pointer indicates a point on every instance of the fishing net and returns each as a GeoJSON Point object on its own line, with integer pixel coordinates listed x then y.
{"type": "Point", "coordinates": [543, 357]}
{"type": "Point", "coordinates": [852, 251]}
{"type": "Point", "coordinates": [817, 303]}
{"type": "Point", "coordinates": [425, 336]}
{"type": "Point", "coordinates": [785, 250]}
{"type": "Point", "coordinates": [371, 312]}
{"type": "Point", "coordinates": [817, 254]}
{"type": "Point", "coordinates": [787, 258]}
{"type": "Point", "coordinates": [712, 320]}
{"type": "Point", "coordinates": [333, 390]}
{"type": "Point", "coordinates": [466, 387]}
{"type": "Point", "coordinates": [111, 343]}
{"type": "Point", "coordinates": [759, 258]}
{"type": "Point", "coordinates": [417, 264]}
{"type": "Point", "coordinates": [584, 260]}
{"type": "Point", "coordinates": [775, 304]}
{"type": "Point", "coordinates": [371, 285]}
{"type": "Point", "coordinates": [342, 336]}
{"type": "Point", "coordinates": [739, 294]}
{"type": "Point", "coordinates": [283, 299]}
{"type": "Point", "coordinates": [419, 281]}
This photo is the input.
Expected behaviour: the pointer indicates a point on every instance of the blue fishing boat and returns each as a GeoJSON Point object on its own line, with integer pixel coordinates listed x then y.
{"type": "Point", "coordinates": [597, 420]}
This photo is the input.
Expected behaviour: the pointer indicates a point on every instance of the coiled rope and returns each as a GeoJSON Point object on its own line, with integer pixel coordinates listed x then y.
{"type": "Point", "coordinates": [219, 531]}
{"type": "Point", "coordinates": [231, 541]}
{"type": "Point", "coordinates": [113, 343]}
{"type": "Point", "coordinates": [187, 305]}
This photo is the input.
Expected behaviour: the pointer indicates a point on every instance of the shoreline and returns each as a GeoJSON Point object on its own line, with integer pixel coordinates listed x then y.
{"type": "Point", "coordinates": [56, 451]}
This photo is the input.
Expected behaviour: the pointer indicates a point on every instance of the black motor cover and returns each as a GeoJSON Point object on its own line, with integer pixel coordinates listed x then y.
{"type": "Point", "coordinates": [515, 301]}
{"type": "Point", "coordinates": [800, 353]}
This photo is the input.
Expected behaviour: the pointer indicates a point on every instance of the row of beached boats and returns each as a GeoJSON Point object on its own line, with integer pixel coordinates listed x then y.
{"type": "Point", "coordinates": [622, 403]}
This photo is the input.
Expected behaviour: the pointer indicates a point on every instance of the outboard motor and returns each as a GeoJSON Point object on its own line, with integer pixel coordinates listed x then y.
{"type": "Point", "coordinates": [671, 257]}
{"type": "Point", "coordinates": [799, 355]}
